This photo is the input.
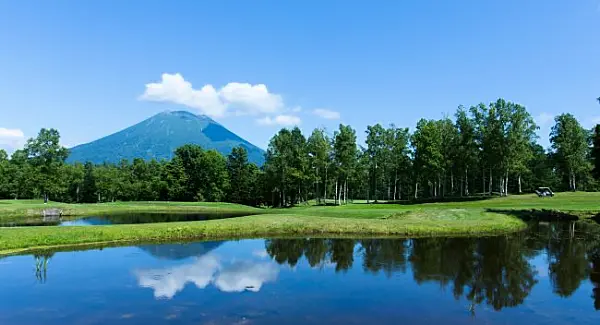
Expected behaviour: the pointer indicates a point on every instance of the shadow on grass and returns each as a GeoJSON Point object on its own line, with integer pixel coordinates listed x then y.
{"type": "Point", "coordinates": [538, 215]}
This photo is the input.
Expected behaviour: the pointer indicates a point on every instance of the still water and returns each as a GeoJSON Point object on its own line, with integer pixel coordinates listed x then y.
{"type": "Point", "coordinates": [547, 275]}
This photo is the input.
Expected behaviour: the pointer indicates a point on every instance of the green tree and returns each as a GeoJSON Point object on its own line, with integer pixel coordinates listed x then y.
{"type": "Point", "coordinates": [213, 176]}
{"type": "Point", "coordinates": [450, 138]}
{"type": "Point", "coordinates": [399, 159]}
{"type": "Point", "coordinates": [21, 176]}
{"type": "Point", "coordinates": [596, 152]}
{"type": "Point", "coordinates": [520, 136]}
{"type": "Point", "coordinates": [298, 163]}
{"type": "Point", "coordinates": [278, 165]}
{"type": "Point", "coordinates": [467, 150]}
{"type": "Point", "coordinates": [427, 142]}
{"type": "Point", "coordinates": [46, 156]}
{"type": "Point", "coordinates": [4, 175]}
{"type": "Point", "coordinates": [376, 153]}
{"type": "Point", "coordinates": [70, 183]}
{"type": "Point", "coordinates": [570, 143]}
{"type": "Point", "coordinates": [241, 176]}
{"type": "Point", "coordinates": [88, 189]}
{"type": "Point", "coordinates": [490, 125]}
{"type": "Point", "coordinates": [319, 151]}
{"type": "Point", "coordinates": [345, 157]}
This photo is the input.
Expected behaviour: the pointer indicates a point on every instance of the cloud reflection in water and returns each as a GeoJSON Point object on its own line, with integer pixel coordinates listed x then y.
{"type": "Point", "coordinates": [208, 269]}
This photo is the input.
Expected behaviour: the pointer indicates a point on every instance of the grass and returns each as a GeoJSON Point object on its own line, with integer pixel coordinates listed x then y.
{"type": "Point", "coordinates": [15, 209]}
{"type": "Point", "coordinates": [484, 217]}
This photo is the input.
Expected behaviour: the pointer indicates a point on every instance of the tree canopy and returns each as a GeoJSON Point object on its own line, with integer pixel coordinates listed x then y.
{"type": "Point", "coordinates": [486, 149]}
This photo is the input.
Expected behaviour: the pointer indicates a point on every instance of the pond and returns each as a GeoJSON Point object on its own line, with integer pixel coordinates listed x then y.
{"type": "Point", "coordinates": [125, 218]}
{"type": "Point", "coordinates": [549, 274]}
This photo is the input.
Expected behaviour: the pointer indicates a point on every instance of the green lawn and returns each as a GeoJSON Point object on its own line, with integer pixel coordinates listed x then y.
{"type": "Point", "coordinates": [13, 209]}
{"type": "Point", "coordinates": [484, 217]}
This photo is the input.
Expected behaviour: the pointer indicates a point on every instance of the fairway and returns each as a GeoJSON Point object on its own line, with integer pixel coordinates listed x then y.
{"type": "Point", "coordinates": [360, 219]}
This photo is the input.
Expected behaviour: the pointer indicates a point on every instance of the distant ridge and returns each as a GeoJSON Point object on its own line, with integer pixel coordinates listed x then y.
{"type": "Point", "coordinates": [158, 136]}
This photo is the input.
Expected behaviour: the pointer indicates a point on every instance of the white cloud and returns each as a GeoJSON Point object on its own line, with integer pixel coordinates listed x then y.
{"type": "Point", "coordinates": [242, 276]}
{"type": "Point", "coordinates": [208, 269]}
{"type": "Point", "coordinates": [236, 98]}
{"type": "Point", "coordinates": [327, 114]}
{"type": "Point", "coordinates": [283, 120]}
{"type": "Point", "coordinates": [296, 109]}
{"type": "Point", "coordinates": [166, 283]}
{"type": "Point", "coordinates": [251, 99]}
{"type": "Point", "coordinates": [544, 119]}
{"type": "Point", "coordinates": [11, 133]}
{"type": "Point", "coordinates": [11, 139]}
{"type": "Point", "coordinates": [261, 253]}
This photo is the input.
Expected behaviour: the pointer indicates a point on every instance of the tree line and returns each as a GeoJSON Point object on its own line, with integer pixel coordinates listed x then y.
{"type": "Point", "coordinates": [483, 150]}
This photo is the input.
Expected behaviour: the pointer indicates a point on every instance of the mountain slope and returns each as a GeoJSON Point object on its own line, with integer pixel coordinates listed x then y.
{"type": "Point", "coordinates": [159, 136]}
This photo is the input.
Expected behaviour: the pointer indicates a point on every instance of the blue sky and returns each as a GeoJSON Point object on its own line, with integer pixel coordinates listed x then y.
{"type": "Point", "coordinates": [83, 66]}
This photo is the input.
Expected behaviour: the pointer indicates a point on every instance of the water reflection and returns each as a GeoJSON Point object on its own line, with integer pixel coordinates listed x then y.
{"type": "Point", "coordinates": [595, 279]}
{"type": "Point", "coordinates": [495, 271]}
{"type": "Point", "coordinates": [550, 273]}
{"type": "Point", "coordinates": [41, 266]}
{"type": "Point", "coordinates": [176, 252]}
{"type": "Point", "coordinates": [232, 276]}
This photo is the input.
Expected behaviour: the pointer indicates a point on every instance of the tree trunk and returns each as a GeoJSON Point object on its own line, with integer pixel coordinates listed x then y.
{"type": "Point", "coordinates": [506, 185]}
{"type": "Point", "coordinates": [467, 181]}
{"type": "Point", "coordinates": [483, 181]}
{"type": "Point", "coordinates": [400, 193]}
{"type": "Point", "coordinates": [346, 191]}
{"type": "Point", "coordinates": [317, 187]}
{"type": "Point", "coordinates": [395, 185]}
{"type": "Point", "coordinates": [443, 185]}
{"type": "Point", "coordinates": [462, 188]}
{"type": "Point", "coordinates": [491, 181]}
{"type": "Point", "coordinates": [519, 182]}
{"type": "Point", "coordinates": [416, 190]}
{"type": "Point", "coordinates": [335, 200]}
{"type": "Point", "coordinates": [375, 192]}
{"type": "Point", "coordinates": [325, 191]}
{"type": "Point", "coordinates": [452, 182]}
{"type": "Point", "coordinates": [574, 182]}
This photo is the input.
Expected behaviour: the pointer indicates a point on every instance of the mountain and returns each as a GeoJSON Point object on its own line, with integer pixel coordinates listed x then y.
{"type": "Point", "coordinates": [159, 136]}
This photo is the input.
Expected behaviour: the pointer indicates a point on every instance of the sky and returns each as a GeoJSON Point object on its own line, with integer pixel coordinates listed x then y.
{"type": "Point", "coordinates": [92, 68]}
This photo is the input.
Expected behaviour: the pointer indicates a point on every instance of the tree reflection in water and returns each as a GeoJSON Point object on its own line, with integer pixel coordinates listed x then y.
{"type": "Point", "coordinates": [495, 270]}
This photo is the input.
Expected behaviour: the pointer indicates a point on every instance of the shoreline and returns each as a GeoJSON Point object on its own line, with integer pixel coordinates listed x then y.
{"type": "Point", "coordinates": [22, 239]}
{"type": "Point", "coordinates": [487, 217]}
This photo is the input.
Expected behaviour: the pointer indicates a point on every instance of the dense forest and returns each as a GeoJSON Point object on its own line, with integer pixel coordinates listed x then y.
{"type": "Point", "coordinates": [485, 150]}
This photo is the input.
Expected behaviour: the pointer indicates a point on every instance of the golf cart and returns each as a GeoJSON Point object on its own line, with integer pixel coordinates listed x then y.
{"type": "Point", "coordinates": [544, 191]}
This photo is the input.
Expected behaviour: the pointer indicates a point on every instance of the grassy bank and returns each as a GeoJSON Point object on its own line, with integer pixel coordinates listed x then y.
{"type": "Point", "coordinates": [12, 209]}
{"type": "Point", "coordinates": [267, 225]}
{"type": "Point", "coordinates": [483, 217]}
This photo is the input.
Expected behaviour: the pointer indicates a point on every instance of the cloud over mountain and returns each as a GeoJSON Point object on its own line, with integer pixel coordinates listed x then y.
{"type": "Point", "coordinates": [234, 98]}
